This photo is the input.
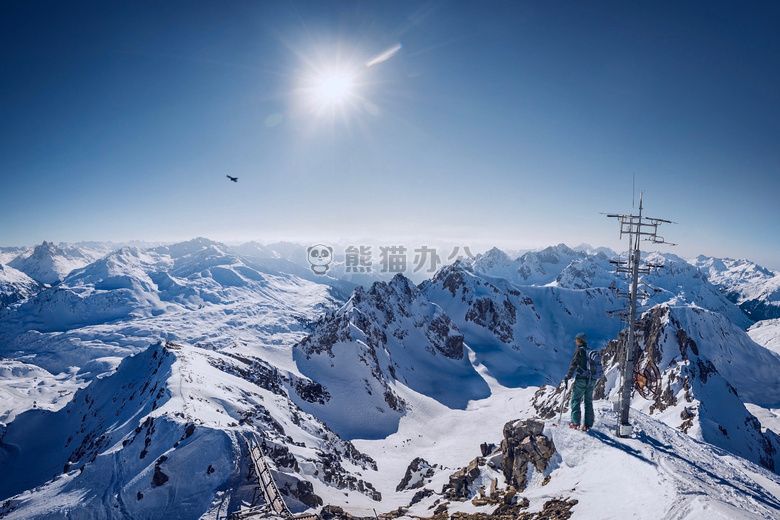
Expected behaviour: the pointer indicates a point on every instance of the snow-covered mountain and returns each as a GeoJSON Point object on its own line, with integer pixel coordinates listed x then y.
{"type": "Point", "coordinates": [130, 388]}
{"type": "Point", "coordinates": [386, 336]}
{"type": "Point", "coordinates": [587, 248]}
{"type": "Point", "coordinates": [255, 250]}
{"type": "Point", "coordinates": [16, 286]}
{"type": "Point", "coordinates": [129, 284]}
{"type": "Point", "coordinates": [49, 263]}
{"type": "Point", "coordinates": [119, 304]}
{"type": "Point", "coordinates": [522, 335]}
{"type": "Point", "coordinates": [166, 432]}
{"type": "Point", "coordinates": [9, 253]}
{"type": "Point", "coordinates": [709, 369]}
{"type": "Point", "coordinates": [683, 284]}
{"type": "Point", "coordinates": [754, 288]}
{"type": "Point", "coordinates": [491, 316]}
{"type": "Point", "coordinates": [563, 267]}
{"type": "Point", "coordinates": [532, 268]}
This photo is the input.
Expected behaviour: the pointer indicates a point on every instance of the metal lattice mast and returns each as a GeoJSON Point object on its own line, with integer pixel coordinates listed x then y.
{"type": "Point", "coordinates": [636, 227]}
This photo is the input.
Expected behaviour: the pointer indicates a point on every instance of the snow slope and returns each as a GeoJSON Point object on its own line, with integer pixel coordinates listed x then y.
{"type": "Point", "coordinates": [16, 286]}
{"type": "Point", "coordinates": [658, 473]}
{"type": "Point", "coordinates": [388, 335]}
{"type": "Point", "coordinates": [767, 334]}
{"type": "Point", "coordinates": [164, 435]}
{"type": "Point", "coordinates": [708, 367]}
{"type": "Point", "coordinates": [523, 335]}
{"type": "Point", "coordinates": [683, 284]}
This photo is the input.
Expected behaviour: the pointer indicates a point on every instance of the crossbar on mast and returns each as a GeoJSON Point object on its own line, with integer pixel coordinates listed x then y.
{"type": "Point", "coordinates": [635, 227]}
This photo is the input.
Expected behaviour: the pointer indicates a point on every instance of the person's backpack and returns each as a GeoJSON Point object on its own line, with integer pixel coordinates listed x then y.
{"type": "Point", "coordinates": [595, 367]}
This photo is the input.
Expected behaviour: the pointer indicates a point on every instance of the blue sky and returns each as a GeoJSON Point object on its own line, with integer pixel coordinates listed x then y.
{"type": "Point", "coordinates": [514, 123]}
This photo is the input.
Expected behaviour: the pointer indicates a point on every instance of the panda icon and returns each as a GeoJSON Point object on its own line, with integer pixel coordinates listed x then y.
{"type": "Point", "coordinates": [320, 256]}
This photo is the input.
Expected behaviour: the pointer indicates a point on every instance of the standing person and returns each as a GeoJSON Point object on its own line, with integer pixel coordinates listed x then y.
{"type": "Point", "coordinates": [583, 386]}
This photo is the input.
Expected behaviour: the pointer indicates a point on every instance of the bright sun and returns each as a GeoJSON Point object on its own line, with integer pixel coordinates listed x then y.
{"type": "Point", "coordinates": [334, 88]}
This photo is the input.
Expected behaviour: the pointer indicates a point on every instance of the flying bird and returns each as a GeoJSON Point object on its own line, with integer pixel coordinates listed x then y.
{"type": "Point", "coordinates": [234, 179]}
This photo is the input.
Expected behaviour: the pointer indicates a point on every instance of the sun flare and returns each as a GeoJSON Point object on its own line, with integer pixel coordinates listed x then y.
{"type": "Point", "coordinates": [334, 88]}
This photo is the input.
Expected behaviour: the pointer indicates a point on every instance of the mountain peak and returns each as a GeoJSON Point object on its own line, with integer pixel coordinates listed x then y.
{"type": "Point", "coordinates": [403, 285]}
{"type": "Point", "coordinates": [49, 264]}
{"type": "Point", "coordinates": [189, 247]}
{"type": "Point", "coordinates": [562, 249]}
{"type": "Point", "coordinates": [495, 255]}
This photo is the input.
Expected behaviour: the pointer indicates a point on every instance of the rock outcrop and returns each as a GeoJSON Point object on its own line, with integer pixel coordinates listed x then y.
{"type": "Point", "coordinates": [461, 484]}
{"type": "Point", "coordinates": [416, 474]}
{"type": "Point", "coordinates": [524, 444]}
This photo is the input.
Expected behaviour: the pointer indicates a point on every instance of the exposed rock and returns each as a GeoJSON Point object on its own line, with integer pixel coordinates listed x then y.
{"type": "Point", "coordinates": [311, 391]}
{"type": "Point", "coordinates": [304, 492]}
{"type": "Point", "coordinates": [282, 457]}
{"type": "Point", "coordinates": [460, 484]}
{"type": "Point", "coordinates": [440, 333]}
{"type": "Point", "coordinates": [418, 471]}
{"type": "Point", "coordinates": [547, 401]}
{"type": "Point", "coordinates": [331, 512]}
{"type": "Point", "coordinates": [420, 496]}
{"type": "Point", "coordinates": [334, 513]}
{"type": "Point", "coordinates": [555, 509]}
{"type": "Point", "coordinates": [524, 444]}
{"type": "Point", "coordinates": [159, 477]}
{"type": "Point", "coordinates": [487, 448]}
{"type": "Point", "coordinates": [335, 474]}
{"type": "Point", "coordinates": [452, 277]}
{"type": "Point", "coordinates": [328, 330]}
{"type": "Point", "coordinates": [497, 318]}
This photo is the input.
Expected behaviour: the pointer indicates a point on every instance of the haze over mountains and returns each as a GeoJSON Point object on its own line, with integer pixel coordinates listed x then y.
{"type": "Point", "coordinates": [131, 377]}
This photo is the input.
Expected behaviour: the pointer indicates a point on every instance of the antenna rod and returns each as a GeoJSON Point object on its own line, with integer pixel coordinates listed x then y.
{"type": "Point", "coordinates": [628, 369]}
{"type": "Point", "coordinates": [636, 227]}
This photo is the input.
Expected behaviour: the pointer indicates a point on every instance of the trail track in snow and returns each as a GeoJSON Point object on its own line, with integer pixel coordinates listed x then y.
{"type": "Point", "coordinates": [709, 483]}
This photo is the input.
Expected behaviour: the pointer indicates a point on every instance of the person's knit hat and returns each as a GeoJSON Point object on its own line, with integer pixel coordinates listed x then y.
{"type": "Point", "coordinates": [582, 337]}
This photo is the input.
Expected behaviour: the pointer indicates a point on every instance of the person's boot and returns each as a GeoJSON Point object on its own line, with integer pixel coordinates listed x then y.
{"type": "Point", "coordinates": [574, 426]}
{"type": "Point", "coordinates": [585, 428]}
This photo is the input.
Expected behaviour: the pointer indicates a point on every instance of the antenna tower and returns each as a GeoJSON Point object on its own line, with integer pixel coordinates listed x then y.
{"type": "Point", "coordinates": [637, 228]}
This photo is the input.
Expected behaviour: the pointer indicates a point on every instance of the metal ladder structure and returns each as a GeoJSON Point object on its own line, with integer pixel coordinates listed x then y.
{"type": "Point", "coordinates": [274, 503]}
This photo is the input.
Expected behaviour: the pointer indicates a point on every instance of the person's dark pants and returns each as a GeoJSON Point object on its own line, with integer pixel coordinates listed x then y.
{"type": "Point", "coordinates": [582, 389]}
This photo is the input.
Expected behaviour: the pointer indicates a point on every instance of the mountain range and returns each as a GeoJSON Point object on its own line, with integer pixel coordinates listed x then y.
{"type": "Point", "coordinates": [132, 378]}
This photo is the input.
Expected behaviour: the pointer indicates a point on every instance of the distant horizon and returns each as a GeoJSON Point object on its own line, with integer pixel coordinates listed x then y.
{"type": "Point", "coordinates": [474, 247]}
